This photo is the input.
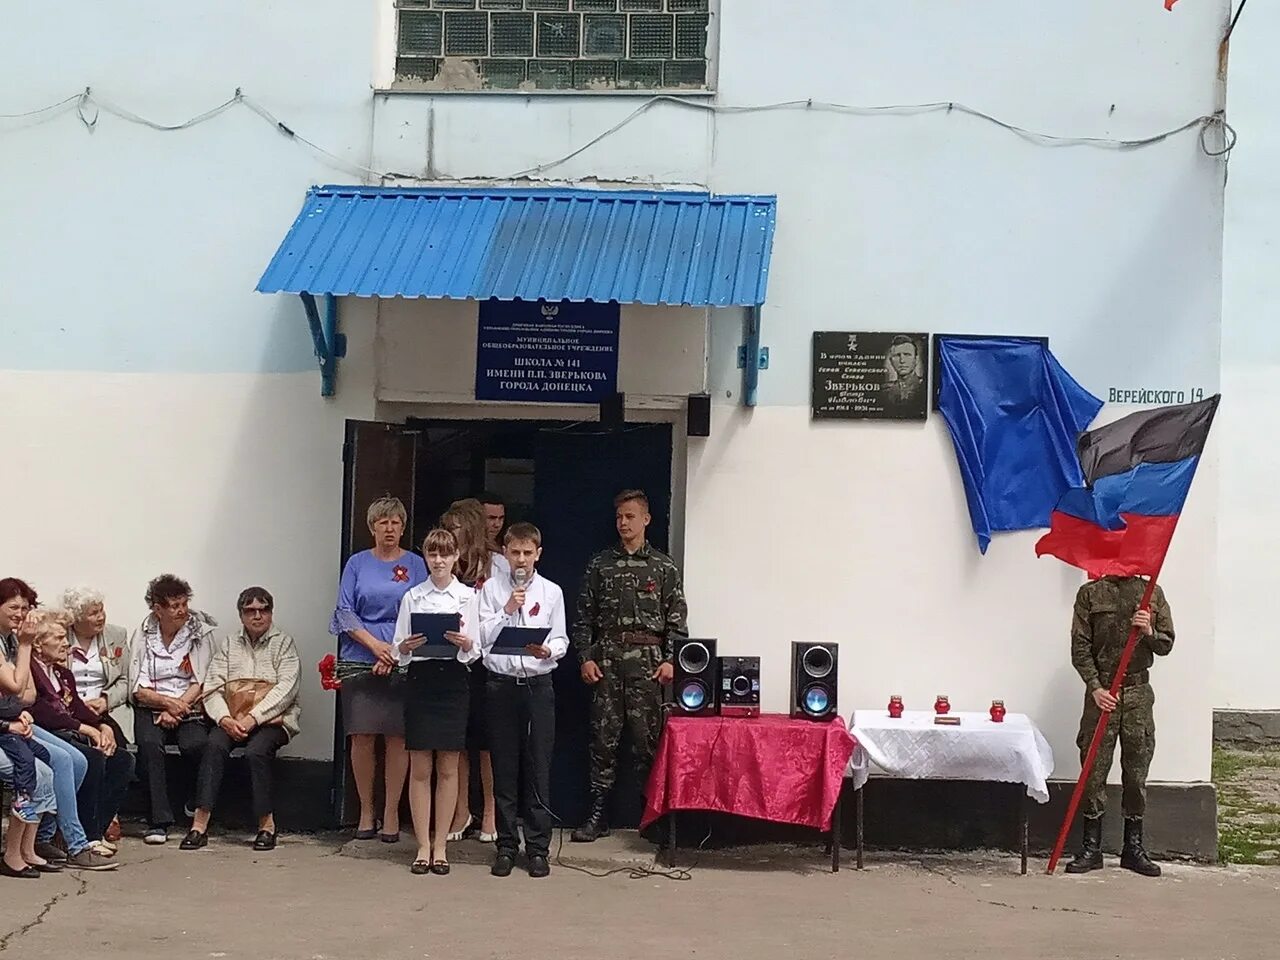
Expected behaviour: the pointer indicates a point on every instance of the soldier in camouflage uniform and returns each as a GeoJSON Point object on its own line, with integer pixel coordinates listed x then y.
{"type": "Point", "coordinates": [1104, 611]}
{"type": "Point", "coordinates": [631, 606]}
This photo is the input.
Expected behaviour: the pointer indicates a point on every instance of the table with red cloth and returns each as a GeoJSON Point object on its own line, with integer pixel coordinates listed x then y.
{"type": "Point", "coordinates": [770, 767]}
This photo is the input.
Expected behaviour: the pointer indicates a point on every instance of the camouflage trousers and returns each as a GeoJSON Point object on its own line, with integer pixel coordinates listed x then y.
{"type": "Point", "coordinates": [1133, 724]}
{"type": "Point", "coordinates": [625, 699]}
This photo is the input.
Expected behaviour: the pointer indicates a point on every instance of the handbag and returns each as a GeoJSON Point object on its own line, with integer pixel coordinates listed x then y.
{"type": "Point", "coordinates": [243, 695]}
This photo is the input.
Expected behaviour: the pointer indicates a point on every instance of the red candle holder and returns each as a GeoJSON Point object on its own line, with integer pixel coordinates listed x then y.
{"type": "Point", "coordinates": [997, 711]}
{"type": "Point", "coordinates": [895, 707]}
{"type": "Point", "coordinates": [942, 705]}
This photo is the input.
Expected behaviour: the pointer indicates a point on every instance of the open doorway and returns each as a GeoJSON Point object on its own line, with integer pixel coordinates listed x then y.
{"type": "Point", "coordinates": [560, 476]}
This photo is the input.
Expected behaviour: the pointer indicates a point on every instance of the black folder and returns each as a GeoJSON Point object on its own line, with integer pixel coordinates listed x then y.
{"type": "Point", "coordinates": [513, 640]}
{"type": "Point", "coordinates": [433, 626]}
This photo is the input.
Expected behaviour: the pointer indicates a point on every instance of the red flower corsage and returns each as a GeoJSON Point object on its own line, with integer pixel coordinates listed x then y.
{"type": "Point", "coordinates": [327, 666]}
{"type": "Point", "coordinates": [480, 583]}
{"type": "Point", "coordinates": [117, 653]}
{"type": "Point", "coordinates": [400, 574]}
{"type": "Point", "coordinates": [534, 611]}
{"type": "Point", "coordinates": [651, 586]}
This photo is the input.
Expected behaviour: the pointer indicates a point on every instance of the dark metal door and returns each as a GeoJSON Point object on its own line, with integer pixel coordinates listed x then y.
{"type": "Point", "coordinates": [579, 470]}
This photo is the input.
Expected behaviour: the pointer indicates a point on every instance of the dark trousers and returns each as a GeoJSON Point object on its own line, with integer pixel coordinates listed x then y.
{"type": "Point", "coordinates": [190, 736]}
{"type": "Point", "coordinates": [259, 752]}
{"type": "Point", "coordinates": [104, 787]}
{"type": "Point", "coordinates": [522, 734]}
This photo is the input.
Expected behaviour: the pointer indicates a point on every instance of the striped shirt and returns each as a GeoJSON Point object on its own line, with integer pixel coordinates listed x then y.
{"type": "Point", "coordinates": [274, 658]}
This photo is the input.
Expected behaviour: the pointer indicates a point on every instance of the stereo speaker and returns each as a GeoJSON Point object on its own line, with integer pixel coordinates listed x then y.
{"type": "Point", "coordinates": [613, 411]}
{"type": "Point", "coordinates": [698, 415]}
{"type": "Point", "coordinates": [694, 682]}
{"type": "Point", "coordinates": [813, 680]}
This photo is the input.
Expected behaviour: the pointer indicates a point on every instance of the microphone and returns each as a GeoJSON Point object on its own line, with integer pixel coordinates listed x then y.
{"type": "Point", "coordinates": [519, 576]}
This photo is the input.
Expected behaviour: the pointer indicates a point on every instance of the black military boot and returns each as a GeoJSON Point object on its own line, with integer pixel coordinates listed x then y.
{"type": "Point", "coordinates": [1090, 855]}
{"type": "Point", "coordinates": [1134, 856]}
{"type": "Point", "coordinates": [597, 824]}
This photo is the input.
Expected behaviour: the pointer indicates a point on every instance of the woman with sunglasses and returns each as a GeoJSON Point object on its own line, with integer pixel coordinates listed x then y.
{"type": "Point", "coordinates": [251, 693]}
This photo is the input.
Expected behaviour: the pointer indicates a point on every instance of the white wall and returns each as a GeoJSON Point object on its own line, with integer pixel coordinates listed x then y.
{"type": "Point", "coordinates": [1248, 657]}
{"type": "Point", "coordinates": [130, 330]}
{"type": "Point", "coordinates": [226, 480]}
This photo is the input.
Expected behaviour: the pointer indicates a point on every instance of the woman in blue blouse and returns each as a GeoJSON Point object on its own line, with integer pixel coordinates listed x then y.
{"type": "Point", "coordinates": [364, 620]}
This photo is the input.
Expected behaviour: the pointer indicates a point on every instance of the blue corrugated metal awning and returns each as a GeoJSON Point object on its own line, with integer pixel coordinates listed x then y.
{"type": "Point", "coordinates": [462, 243]}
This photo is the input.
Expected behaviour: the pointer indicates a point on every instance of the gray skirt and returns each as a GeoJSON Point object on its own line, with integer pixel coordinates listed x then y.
{"type": "Point", "coordinates": [373, 705]}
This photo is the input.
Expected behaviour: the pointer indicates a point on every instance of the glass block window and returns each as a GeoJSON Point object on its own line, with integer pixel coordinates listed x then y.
{"type": "Point", "coordinates": [533, 45]}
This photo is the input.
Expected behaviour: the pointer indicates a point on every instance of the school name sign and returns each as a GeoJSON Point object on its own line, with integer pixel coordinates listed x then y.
{"type": "Point", "coordinates": [539, 352]}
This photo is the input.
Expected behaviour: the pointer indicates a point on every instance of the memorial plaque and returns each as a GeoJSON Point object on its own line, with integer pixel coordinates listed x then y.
{"type": "Point", "coordinates": [870, 376]}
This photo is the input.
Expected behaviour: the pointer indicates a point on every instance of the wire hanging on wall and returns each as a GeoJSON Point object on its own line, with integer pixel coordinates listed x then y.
{"type": "Point", "coordinates": [89, 105]}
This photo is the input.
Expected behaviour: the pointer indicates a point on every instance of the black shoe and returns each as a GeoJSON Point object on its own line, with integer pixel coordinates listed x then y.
{"type": "Point", "coordinates": [597, 824]}
{"type": "Point", "coordinates": [51, 852]}
{"type": "Point", "coordinates": [440, 868]}
{"type": "Point", "coordinates": [538, 866]}
{"type": "Point", "coordinates": [1134, 856]}
{"type": "Point", "coordinates": [265, 840]}
{"type": "Point", "coordinates": [503, 864]}
{"type": "Point", "coordinates": [26, 873]}
{"type": "Point", "coordinates": [48, 867]}
{"type": "Point", "coordinates": [1090, 855]}
{"type": "Point", "coordinates": [420, 868]}
{"type": "Point", "coordinates": [194, 841]}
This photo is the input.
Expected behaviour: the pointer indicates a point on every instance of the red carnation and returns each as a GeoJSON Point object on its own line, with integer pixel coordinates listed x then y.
{"type": "Point", "coordinates": [534, 611]}
{"type": "Point", "coordinates": [117, 653]}
{"type": "Point", "coordinates": [480, 582]}
{"type": "Point", "coordinates": [327, 666]}
{"type": "Point", "coordinates": [651, 586]}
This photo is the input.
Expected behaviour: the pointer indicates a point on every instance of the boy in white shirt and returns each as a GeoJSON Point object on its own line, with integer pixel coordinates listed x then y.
{"type": "Point", "coordinates": [521, 698]}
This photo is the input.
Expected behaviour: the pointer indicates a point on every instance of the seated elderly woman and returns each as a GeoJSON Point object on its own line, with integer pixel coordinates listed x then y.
{"type": "Point", "coordinates": [100, 662]}
{"type": "Point", "coordinates": [99, 651]}
{"type": "Point", "coordinates": [251, 693]}
{"type": "Point", "coordinates": [59, 709]}
{"type": "Point", "coordinates": [169, 654]}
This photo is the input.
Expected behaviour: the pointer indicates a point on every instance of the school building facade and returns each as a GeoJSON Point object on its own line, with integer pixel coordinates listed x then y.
{"type": "Point", "coordinates": [739, 190]}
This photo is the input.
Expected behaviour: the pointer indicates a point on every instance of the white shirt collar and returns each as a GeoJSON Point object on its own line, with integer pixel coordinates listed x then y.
{"type": "Point", "coordinates": [429, 586]}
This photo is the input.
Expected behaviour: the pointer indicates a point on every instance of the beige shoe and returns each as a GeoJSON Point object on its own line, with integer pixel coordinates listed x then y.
{"type": "Point", "coordinates": [104, 848]}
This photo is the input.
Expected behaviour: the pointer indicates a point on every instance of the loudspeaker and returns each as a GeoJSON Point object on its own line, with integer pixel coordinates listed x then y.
{"type": "Point", "coordinates": [698, 415]}
{"type": "Point", "coordinates": [739, 686]}
{"type": "Point", "coordinates": [613, 411]}
{"type": "Point", "coordinates": [813, 680]}
{"type": "Point", "coordinates": [694, 683]}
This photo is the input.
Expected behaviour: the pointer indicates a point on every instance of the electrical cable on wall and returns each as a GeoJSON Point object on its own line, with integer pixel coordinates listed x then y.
{"type": "Point", "coordinates": [89, 105]}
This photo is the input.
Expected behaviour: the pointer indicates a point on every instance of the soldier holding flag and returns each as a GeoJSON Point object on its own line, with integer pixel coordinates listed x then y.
{"type": "Point", "coordinates": [1105, 611]}
{"type": "Point", "coordinates": [1117, 528]}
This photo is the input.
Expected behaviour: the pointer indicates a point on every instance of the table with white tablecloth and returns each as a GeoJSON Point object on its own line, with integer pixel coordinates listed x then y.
{"type": "Point", "coordinates": [977, 748]}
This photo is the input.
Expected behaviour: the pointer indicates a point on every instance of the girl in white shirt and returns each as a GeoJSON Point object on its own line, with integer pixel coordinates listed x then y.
{"type": "Point", "coordinates": [437, 698]}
